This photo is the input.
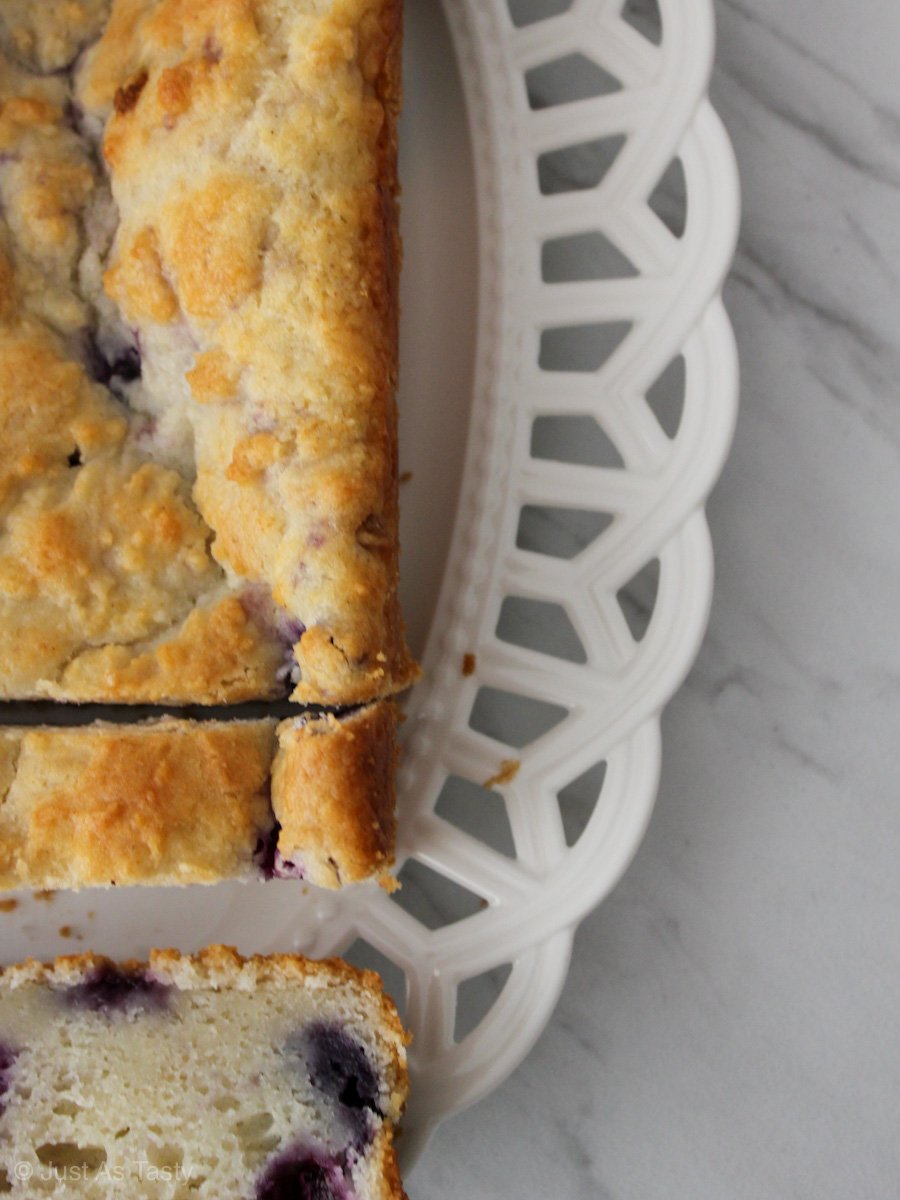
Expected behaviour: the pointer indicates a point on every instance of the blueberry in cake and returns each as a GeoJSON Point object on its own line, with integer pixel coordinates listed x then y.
{"type": "Point", "coordinates": [198, 333]}
{"type": "Point", "coordinates": [204, 1076]}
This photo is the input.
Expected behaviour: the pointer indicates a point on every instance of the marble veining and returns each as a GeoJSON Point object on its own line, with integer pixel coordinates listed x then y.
{"type": "Point", "coordinates": [730, 1026]}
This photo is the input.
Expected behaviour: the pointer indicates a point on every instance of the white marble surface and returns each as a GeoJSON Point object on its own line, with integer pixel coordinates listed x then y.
{"type": "Point", "coordinates": [731, 1025]}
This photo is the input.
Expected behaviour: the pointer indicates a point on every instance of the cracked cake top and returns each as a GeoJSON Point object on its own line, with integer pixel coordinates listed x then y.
{"type": "Point", "coordinates": [198, 260]}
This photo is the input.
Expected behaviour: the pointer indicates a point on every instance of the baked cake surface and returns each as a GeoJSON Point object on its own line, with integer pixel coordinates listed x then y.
{"type": "Point", "coordinates": [174, 802]}
{"type": "Point", "coordinates": [198, 259]}
{"type": "Point", "coordinates": [204, 1076]}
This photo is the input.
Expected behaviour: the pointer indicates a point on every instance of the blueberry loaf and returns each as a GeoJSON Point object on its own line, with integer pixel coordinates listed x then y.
{"type": "Point", "coordinates": [204, 1076]}
{"type": "Point", "coordinates": [198, 311]}
{"type": "Point", "coordinates": [181, 802]}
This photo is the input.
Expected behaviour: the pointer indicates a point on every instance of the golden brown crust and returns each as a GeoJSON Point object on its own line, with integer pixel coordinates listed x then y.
{"type": "Point", "coordinates": [48, 35]}
{"type": "Point", "coordinates": [280, 256]}
{"type": "Point", "coordinates": [387, 1169]}
{"type": "Point", "coordinates": [108, 589]}
{"type": "Point", "coordinates": [251, 146]}
{"type": "Point", "coordinates": [240, 507]}
{"type": "Point", "coordinates": [154, 804]}
{"type": "Point", "coordinates": [216, 653]}
{"type": "Point", "coordinates": [329, 664]}
{"type": "Point", "coordinates": [333, 795]}
{"type": "Point", "coordinates": [180, 802]}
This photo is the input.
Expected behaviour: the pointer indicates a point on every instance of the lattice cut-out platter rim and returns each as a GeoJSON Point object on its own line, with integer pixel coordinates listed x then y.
{"type": "Point", "coordinates": [669, 307]}
{"type": "Point", "coordinates": [531, 766]}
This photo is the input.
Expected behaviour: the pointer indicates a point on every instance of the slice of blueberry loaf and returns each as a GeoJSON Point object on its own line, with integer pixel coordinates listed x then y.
{"type": "Point", "coordinates": [203, 1076]}
{"type": "Point", "coordinates": [185, 802]}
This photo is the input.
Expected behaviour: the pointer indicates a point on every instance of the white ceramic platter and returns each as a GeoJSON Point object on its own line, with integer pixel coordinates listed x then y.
{"type": "Point", "coordinates": [568, 396]}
